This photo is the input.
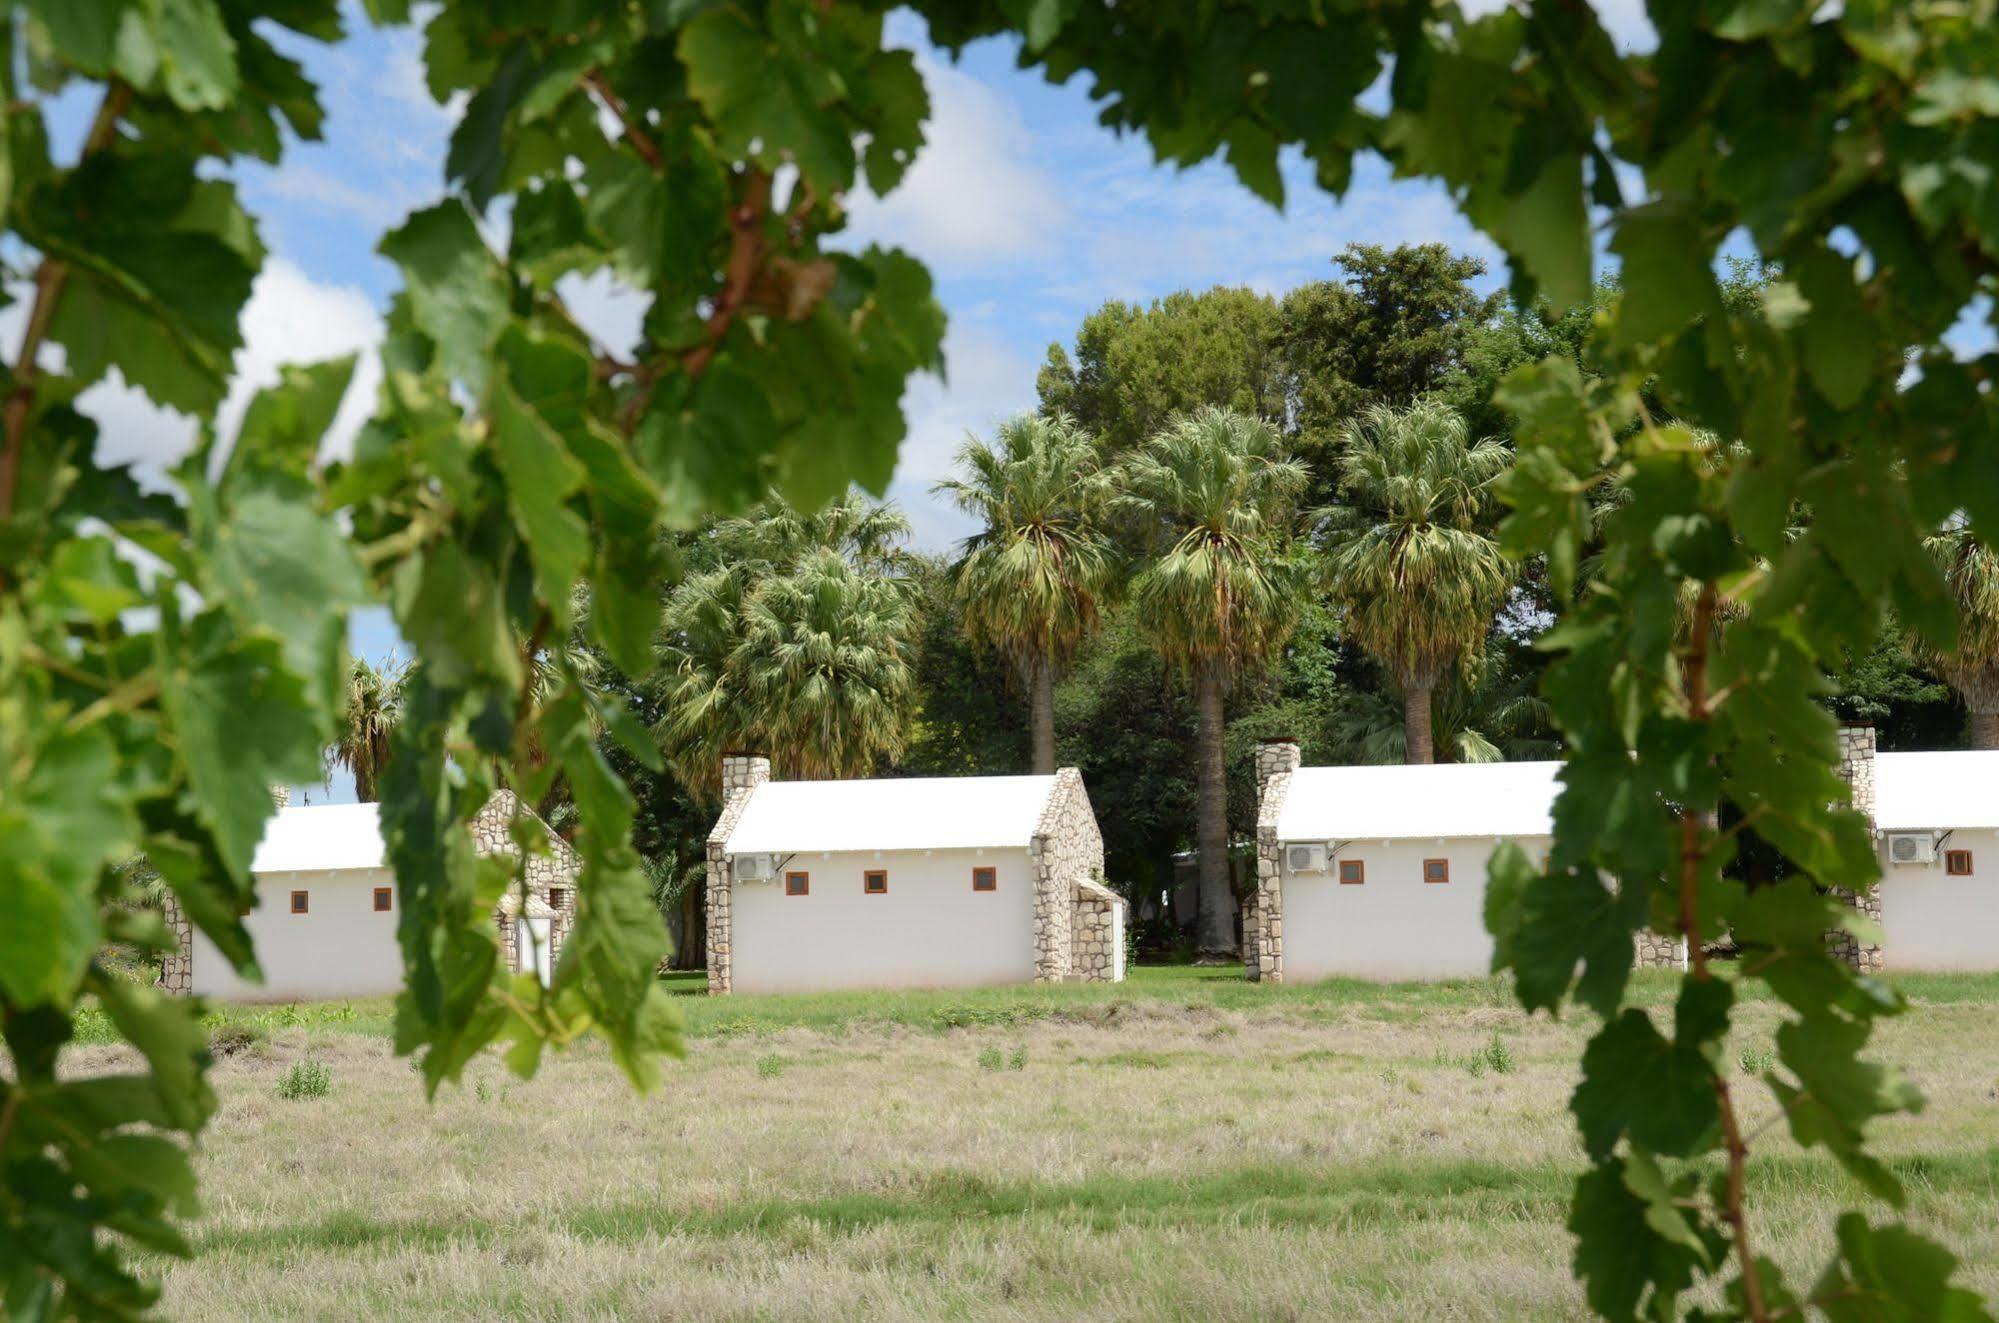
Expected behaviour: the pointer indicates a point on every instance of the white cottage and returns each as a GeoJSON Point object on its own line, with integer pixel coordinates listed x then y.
{"type": "Point", "coordinates": [324, 922]}
{"type": "Point", "coordinates": [1379, 872]}
{"type": "Point", "coordinates": [1937, 817]}
{"type": "Point", "coordinates": [918, 882]}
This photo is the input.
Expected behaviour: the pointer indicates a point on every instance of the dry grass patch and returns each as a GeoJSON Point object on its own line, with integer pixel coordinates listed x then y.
{"type": "Point", "coordinates": [1179, 1150]}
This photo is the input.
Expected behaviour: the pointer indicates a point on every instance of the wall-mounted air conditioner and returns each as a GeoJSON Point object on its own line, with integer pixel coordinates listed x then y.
{"type": "Point", "coordinates": [752, 868]}
{"type": "Point", "coordinates": [1911, 847]}
{"type": "Point", "coordinates": [1305, 858]}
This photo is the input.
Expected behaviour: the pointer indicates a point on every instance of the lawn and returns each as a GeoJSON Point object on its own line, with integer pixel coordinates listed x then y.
{"type": "Point", "coordinates": [1186, 1146]}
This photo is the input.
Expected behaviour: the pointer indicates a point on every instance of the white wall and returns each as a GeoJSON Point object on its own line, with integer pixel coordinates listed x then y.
{"type": "Point", "coordinates": [341, 947]}
{"type": "Point", "coordinates": [1394, 925]}
{"type": "Point", "coordinates": [1930, 920]}
{"type": "Point", "coordinates": [930, 930]}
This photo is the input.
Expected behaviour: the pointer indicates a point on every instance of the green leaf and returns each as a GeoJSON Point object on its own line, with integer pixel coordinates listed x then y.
{"type": "Point", "coordinates": [1547, 228]}
{"type": "Point", "coordinates": [1666, 278]}
{"type": "Point", "coordinates": [197, 54]}
{"type": "Point", "coordinates": [458, 294]}
{"type": "Point", "coordinates": [1839, 334]}
{"type": "Point", "coordinates": [761, 99]}
{"type": "Point", "coordinates": [1636, 1081]}
{"type": "Point", "coordinates": [1890, 1274]}
{"type": "Point", "coordinates": [56, 833]}
{"type": "Point", "coordinates": [541, 476]}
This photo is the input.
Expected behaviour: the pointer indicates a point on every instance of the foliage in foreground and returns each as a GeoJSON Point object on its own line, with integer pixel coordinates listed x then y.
{"type": "Point", "coordinates": [512, 457]}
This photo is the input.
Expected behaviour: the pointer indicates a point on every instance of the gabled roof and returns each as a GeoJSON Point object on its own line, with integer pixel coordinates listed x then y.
{"type": "Point", "coordinates": [1936, 791]}
{"type": "Point", "coordinates": [907, 813]}
{"type": "Point", "coordinates": [321, 838]}
{"type": "Point", "coordinates": [1396, 802]}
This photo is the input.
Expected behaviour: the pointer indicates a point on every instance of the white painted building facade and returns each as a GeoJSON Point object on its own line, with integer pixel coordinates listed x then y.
{"type": "Point", "coordinates": [324, 922]}
{"type": "Point", "coordinates": [1379, 872]}
{"type": "Point", "coordinates": [918, 882]}
{"type": "Point", "coordinates": [1937, 819]}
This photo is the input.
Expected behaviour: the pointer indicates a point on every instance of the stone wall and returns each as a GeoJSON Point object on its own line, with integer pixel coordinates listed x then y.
{"type": "Point", "coordinates": [558, 868]}
{"type": "Point", "coordinates": [1856, 767]}
{"type": "Point", "coordinates": [1661, 950]}
{"type": "Point", "coordinates": [741, 774]}
{"type": "Point", "coordinates": [1263, 919]}
{"type": "Point", "coordinates": [1066, 849]}
{"type": "Point", "coordinates": [1096, 932]}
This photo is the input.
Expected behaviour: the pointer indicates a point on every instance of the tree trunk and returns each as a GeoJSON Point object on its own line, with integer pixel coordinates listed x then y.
{"type": "Point", "coordinates": [1416, 724]}
{"type": "Point", "coordinates": [1214, 930]}
{"type": "Point", "coordinates": [1041, 702]}
{"type": "Point", "coordinates": [1985, 730]}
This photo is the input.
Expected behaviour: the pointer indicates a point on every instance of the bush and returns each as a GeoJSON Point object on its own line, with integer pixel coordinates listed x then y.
{"type": "Point", "coordinates": [305, 1079]}
{"type": "Point", "coordinates": [770, 1067]}
{"type": "Point", "coordinates": [991, 1058]}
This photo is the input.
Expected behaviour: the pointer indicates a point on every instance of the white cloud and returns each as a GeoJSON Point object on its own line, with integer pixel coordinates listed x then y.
{"type": "Point", "coordinates": [988, 382]}
{"type": "Point", "coordinates": [290, 318]}
{"type": "Point", "coordinates": [611, 312]}
{"type": "Point", "coordinates": [977, 194]}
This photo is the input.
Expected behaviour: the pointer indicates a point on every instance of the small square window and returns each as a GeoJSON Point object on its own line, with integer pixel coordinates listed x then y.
{"type": "Point", "coordinates": [558, 897]}
{"type": "Point", "coordinates": [301, 902]}
{"type": "Point", "coordinates": [875, 882]}
{"type": "Point", "coordinates": [1436, 870]}
{"type": "Point", "coordinates": [1957, 863]}
{"type": "Point", "coordinates": [985, 879]}
{"type": "Point", "coordinates": [382, 898]}
{"type": "Point", "coordinates": [1353, 872]}
{"type": "Point", "coordinates": [797, 884]}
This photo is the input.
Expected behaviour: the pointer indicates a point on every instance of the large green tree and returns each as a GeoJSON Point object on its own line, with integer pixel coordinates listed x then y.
{"type": "Point", "coordinates": [1969, 662]}
{"type": "Point", "coordinates": [1411, 555]}
{"type": "Point", "coordinates": [1216, 495]}
{"type": "Point", "coordinates": [1137, 368]}
{"type": "Point", "coordinates": [1033, 579]}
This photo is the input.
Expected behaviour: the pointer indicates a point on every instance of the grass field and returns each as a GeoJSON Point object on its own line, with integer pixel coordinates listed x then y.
{"type": "Point", "coordinates": [1186, 1146]}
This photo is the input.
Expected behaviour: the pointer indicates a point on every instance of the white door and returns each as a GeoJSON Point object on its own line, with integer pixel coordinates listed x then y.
{"type": "Point", "coordinates": [531, 941]}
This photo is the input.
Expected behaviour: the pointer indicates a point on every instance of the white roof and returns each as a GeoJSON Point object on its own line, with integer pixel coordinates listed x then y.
{"type": "Point", "coordinates": [1936, 791]}
{"type": "Point", "coordinates": [1391, 802]}
{"type": "Point", "coordinates": [913, 813]}
{"type": "Point", "coordinates": [321, 837]}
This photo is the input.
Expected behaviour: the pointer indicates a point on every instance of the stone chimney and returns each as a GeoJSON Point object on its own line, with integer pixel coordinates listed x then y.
{"type": "Point", "coordinates": [1856, 768]}
{"type": "Point", "coordinates": [742, 771]}
{"type": "Point", "coordinates": [1263, 914]}
{"type": "Point", "coordinates": [281, 796]}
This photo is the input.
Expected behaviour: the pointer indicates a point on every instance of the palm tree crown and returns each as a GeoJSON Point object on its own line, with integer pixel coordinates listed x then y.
{"type": "Point", "coordinates": [1219, 489]}
{"type": "Point", "coordinates": [1971, 664]}
{"type": "Point", "coordinates": [1419, 576]}
{"type": "Point", "coordinates": [799, 641]}
{"type": "Point", "coordinates": [1032, 579]}
{"type": "Point", "coordinates": [367, 728]}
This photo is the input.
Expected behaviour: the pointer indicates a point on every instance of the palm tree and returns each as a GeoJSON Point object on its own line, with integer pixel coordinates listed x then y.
{"type": "Point", "coordinates": [1490, 715]}
{"type": "Point", "coordinates": [1218, 493]}
{"type": "Point", "coordinates": [800, 641]}
{"type": "Point", "coordinates": [368, 725]}
{"type": "Point", "coordinates": [1032, 579]}
{"type": "Point", "coordinates": [1412, 563]}
{"type": "Point", "coordinates": [1971, 664]}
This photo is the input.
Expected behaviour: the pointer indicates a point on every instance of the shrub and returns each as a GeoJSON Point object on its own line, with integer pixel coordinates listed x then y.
{"type": "Point", "coordinates": [305, 1079]}
{"type": "Point", "coordinates": [1756, 1060]}
{"type": "Point", "coordinates": [770, 1067]}
{"type": "Point", "coordinates": [1017, 1059]}
{"type": "Point", "coordinates": [991, 1058]}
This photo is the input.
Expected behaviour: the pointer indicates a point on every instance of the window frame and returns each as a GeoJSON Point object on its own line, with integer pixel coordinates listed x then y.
{"type": "Point", "coordinates": [1359, 866]}
{"type": "Point", "coordinates": [558, 897]}
{"type": "Point", "coordinates": [868, 887]}
{"type": "Point", "coordinates": [990, 876]}
{"type": "Point", "coordinates": [804, 882]}
{"type": "Point", "coordinates": [301, 902]}
{"type": "Point", "coordinates": [1951, 859]}
{"type": "Point", "coordinates": [384, 900]}
{"type": "Point", "coordinates": [1444, 864]}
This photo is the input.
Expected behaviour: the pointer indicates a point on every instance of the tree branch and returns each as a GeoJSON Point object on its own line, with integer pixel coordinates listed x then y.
{"type": "Point", "coordinates": [1691, 852]}
{"type": "Point", "coordinates": [640, 140]}
{"type": "Point", "coordinates": [49, 279]}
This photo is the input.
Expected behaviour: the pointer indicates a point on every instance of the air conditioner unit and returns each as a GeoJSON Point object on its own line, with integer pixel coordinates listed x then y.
{"type": "Point", "coordinates": [752, 868]}
{"type": "Point", "coordinates": [1305, 858]}
{"type": "Point", "coordinates": [1911, 847]}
